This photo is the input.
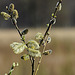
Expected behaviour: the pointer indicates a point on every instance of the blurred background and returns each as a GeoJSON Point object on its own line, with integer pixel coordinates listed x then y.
{"type": "Point", "coordinates": [34, 15]}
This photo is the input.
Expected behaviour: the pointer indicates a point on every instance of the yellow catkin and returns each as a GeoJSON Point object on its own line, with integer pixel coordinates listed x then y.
{"type": "Point", "coordinates": [15, 14]}
{"type": "Point", "coordinates": [11, 7]}
{"type": "Point", "coordinates": [5, 15]}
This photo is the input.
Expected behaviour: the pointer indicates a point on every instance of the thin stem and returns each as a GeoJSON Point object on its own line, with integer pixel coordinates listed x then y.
{"type": "Point", "coordinates": [41, 56]}
{"type": "Point", "coordinates": [33, 65]}
{"type": "Point", "coordinates": [17, 28]}
{"type": "Point", "coordinates": [49, 27]}
{"type": "Point", "coordinates": [12, 69]}
{"type": "Point", "coordinates": [38, 66]}
{"type": "Point", "coordinates": [14, 21]}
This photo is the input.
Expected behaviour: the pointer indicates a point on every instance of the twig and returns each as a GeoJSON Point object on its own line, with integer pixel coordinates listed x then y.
{"type": "Point", "coordinates": [17, 28]}
{"type": "Point", "coordinates": [38, 66]}
{"type": "Point", "coordinates": [46, 33]}
{"type": "Point", "coordinates": [51, 22]}
{"type": "Point", "coordinates": [49, 27]}
{"type": "Point", "coordinates": [12, 68]}
{"type": "Point", "coordinates": [41, 56]}
{"type": "Point", "coordinates": [33, 60]}
{"type": "Point", "coordinates": [56, 8]}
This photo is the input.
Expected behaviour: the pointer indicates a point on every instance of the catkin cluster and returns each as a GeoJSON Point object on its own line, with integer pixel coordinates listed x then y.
{"type": "Point", "coordinates": [12, 13]}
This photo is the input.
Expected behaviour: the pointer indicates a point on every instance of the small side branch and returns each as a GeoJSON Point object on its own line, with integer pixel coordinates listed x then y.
{"type": "Point", "coordinates": [49, 27]}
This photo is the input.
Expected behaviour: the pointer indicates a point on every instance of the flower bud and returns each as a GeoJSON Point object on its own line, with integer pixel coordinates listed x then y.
{"type": "Point", "coordinates": [6, 7]}
{"type": "Point", "coordinates": [47, 25]}
{"type": "Point", "coordinates": [5, 15]}
{"type": "Point", "coordinates": [25, 57]}
{"type": "Point", "coordinates": [11, 7]}
{"type": "Point", "coordinates": [48, 40]}
{"type": "Point", "coordinates": [47, 52]}
{"type": "Point", "coordinates": [58, 6]}
{"type": "Point", "coordinates": [53, 21]}
{"type": "Point", "coordinates": [15, 14]}
{"type": "Point", "coordinates": [14, 64]}
{"type": "Point", "coordinates": [25, 31]}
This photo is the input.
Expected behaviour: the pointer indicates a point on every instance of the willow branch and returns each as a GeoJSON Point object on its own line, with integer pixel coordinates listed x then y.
{"type": "Point", "coordinates": [46, 33]}
{"type": "Point", "coordinates": [49, 27]}
{"type": "Point", "coordinates": [51, 22]}
{"type": "Point", "coordinates": [17, 28]}
{"type": "Point", "coordinates": [44, 47]}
